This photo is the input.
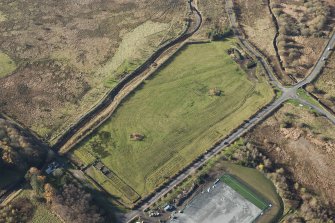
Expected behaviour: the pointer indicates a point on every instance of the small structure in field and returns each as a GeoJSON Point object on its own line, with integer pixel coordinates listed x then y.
{"type": "Point", "coordinates": [215, 92]}
{"type": "Point", "coordinates": [99, 165]}
{"type": "Point", "coordinates": [168, 207]}
{"type": "Point", "coordinates": [105, 170]}
{"type": "Point", "coordinates": [136, 136]}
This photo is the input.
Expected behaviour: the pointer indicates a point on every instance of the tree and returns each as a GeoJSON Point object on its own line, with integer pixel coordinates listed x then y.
{"type": "Point", "coordinates": [36, 181]}
{"type": "Point", "coordinates": [310, 88]}
{"type": "Point", "coordinates": [20, 210]}
{"type": "Point", "coordinates": [16, 147]}
{"type": "Point", "coordinates": [49, 193]}
{"type": "Point", "coordinates": [75, 205]}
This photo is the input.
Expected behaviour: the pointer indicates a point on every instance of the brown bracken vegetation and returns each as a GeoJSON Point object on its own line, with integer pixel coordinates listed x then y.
{"type": "Point", "coordinates": [61, 48]}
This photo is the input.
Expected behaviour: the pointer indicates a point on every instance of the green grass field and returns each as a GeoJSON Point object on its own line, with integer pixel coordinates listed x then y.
{"type": "Point", "coordinates": [177, 116]}
{"type": "Point", "coordinates": [244, 191]}
{"type": "Point", "coordinates": [7, 65]}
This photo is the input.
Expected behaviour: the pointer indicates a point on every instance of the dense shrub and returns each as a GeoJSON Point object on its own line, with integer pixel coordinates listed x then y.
{"type": "Point", "coordinates": [18, 149]}
{"type": "Point", "coordinates": [20, 210]}
{"type": "Point", "coordinates": [75, 205]}
{"type": "Point", "coordinates": [221, 34]}
{"type": "Point", "coordinates": [251, 64]}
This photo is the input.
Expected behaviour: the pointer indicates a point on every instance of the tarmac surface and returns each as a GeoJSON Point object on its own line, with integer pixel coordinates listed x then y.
{"type": "Point", "coordinates": [221, 204]}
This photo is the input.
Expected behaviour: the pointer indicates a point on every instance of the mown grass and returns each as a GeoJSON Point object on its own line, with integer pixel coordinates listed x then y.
{"type": "Point", "coordinates": [7, 65]}
{"type": "Point", "coordinates": [177, 116]}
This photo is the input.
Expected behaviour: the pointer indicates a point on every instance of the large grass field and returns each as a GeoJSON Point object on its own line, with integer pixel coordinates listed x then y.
{"type": "Point", "coordinates": [176, 115]}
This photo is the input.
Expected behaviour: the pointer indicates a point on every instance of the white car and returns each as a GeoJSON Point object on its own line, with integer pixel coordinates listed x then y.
{"type": "Point", "coordinates": [329, 48]}
{"type": "Point", "coordinates": [324, 58]}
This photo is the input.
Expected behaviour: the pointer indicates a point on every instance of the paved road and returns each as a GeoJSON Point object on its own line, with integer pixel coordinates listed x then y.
{"type": "Point", "coordinates": [321, 63]}
{"type": "Point", "coordinates": [287, 93]}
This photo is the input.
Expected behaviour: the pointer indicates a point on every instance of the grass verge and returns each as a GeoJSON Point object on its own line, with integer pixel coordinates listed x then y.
{"type": "Point", "coordinates": [305, 95]}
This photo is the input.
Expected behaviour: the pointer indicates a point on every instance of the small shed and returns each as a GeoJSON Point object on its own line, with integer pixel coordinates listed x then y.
{"type": "Point", "coordinates": [99, 165]}
{"type": "Point", "coordinates": [105, 170]}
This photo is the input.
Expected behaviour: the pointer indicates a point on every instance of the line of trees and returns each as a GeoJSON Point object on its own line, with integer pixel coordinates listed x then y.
{"type": "Point", "coordinates": [63, 196]}
{"type": "Point", "coordinates": [20, 210]}
{"type": "Point", "coordinates": [18, 149]}
{"type": "Point", "coordinates": [69, 201]}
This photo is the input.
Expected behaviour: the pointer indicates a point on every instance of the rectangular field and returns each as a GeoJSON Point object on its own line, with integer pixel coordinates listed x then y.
{"type": "Point", "coordinates": [218, 204]}
{"type": "Point", "coordinates": [177, 116]}
{"type": "Point", "coordinates": [244, 191]}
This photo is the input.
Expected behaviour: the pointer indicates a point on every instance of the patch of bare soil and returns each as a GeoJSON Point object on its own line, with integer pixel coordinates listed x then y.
{"type": "Point", "coordinates": [306, 147]}
{"type": "Point", "coordinates": [60, 45]}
